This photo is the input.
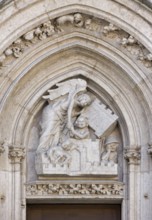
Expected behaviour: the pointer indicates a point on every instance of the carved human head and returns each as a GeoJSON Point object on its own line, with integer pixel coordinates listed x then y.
{"type": "Point", "coordinates": [83, 100]}
{"type": "Point", "coordinates": [81, 122]}
{"type": "Point", "coordinates": [77, 17]}
{"type": "Point", "coordinates": [112, 146]}
{"type": "Point", "coordinates": [112, 142]}
{"type": "Point", "coordinates": [88, 22]}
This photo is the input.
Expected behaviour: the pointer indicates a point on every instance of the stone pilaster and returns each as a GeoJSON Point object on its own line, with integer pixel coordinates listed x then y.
{"type": "Point", "coordinates": [16, 156]}
{"type": "Point", "coordinates": [133, 156]}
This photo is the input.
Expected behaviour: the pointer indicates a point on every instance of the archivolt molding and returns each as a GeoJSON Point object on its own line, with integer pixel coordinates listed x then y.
{"type": "Point", "coordinates": [87, 26]}
{"type": "Point", "coordinates": [121, 13]}
{"type": "Point", "coordinates": [117, 45]}
{"type": "Point", "coordinates": [75, 40]}
{"type": "Point", "coordinates": [98, 27]}
{"type": "Point", "coordinates": [109, 63]}
{"type": "Point", "coordinates": [28, 100]}
{"type": "Point", "coordinates": [106, 81]}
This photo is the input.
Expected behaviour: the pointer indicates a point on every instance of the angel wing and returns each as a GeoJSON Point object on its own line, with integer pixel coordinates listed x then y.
{"type": "Point", "coordinates": [65, 88]}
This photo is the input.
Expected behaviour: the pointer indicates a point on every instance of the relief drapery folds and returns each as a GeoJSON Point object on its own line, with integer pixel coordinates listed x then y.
{"type": "Point", "coordinates": [79, 134]}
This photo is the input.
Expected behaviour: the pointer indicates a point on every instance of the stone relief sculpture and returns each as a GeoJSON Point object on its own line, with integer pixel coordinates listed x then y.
{"type": "Point", "coordinates": [73, 127]}
{"type": "Point", "coordinates": [111, 146]}
{"type": "Point", "coordinates": [75, 19]}
{"type": "Point", "coordinates": [129, 41]}
{"type": "Point", "coordinates": [75, 189]}
{"type": "Point", "coordinates": [69, 23]}
{"type": "Point", "coordinates": [110, 28]}
{"type": "Point", "coordinates": [82, 130]}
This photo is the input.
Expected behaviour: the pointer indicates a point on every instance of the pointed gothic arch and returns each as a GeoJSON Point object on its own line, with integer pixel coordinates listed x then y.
{"type": "Point", "coordinates": [118, 78]}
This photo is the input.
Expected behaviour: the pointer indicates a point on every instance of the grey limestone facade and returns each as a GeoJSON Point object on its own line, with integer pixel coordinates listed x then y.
{"type": "Point", "coordinates": [76, 105]}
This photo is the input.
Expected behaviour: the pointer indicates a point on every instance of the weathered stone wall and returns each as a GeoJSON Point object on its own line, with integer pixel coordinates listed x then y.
{"type": "Point", "coordinates": [111, 48]}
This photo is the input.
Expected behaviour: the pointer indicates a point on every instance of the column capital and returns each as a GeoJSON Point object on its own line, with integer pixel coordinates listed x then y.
{"type": "Point", "coordinates": [16, 154]}
{"type": "Point", "coordinates": [149, 149]}
{"type": "Point", "coordinates": [133, 155]}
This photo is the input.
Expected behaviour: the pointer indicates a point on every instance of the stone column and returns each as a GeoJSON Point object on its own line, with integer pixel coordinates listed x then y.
{"type": "Point", "coordinates": [2, 194]}
{"type": "Point", "coordinates": [132, 155]}
{"type": "Point", "coordinates": [16, 155]}
{"type": "Point", "coordinates": [148, 184]}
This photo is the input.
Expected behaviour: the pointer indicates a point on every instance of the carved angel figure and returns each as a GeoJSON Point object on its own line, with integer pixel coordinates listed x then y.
{"type": "Point", "coordinates": [71, 130]}
{"type": "Point", "coordinates": [61, 103]}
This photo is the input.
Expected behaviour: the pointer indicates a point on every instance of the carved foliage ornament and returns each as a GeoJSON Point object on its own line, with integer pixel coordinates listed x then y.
{"type": "Point", "coordinates": [150, 149]}
{"type": "Point", "coordinates": [85, 23]}
{"type": "Point", "coordinates": [97, 190]}
{"type": "Point", "coordinates": [16, 154]}
{"type": "Point", "coordinates": [133, 155]}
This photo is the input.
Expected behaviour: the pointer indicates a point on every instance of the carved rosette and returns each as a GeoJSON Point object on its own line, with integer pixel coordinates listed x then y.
{"type": "Point", "coordinates": [16, 154]}
{"type": "Point", "coordinates": [75, 190]}
{"type": "Point", "coordinates": [133, 155]}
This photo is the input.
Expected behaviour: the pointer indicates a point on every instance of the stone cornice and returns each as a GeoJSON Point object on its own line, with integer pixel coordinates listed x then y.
{"type": "Point", "coordinates": [133, 155]}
